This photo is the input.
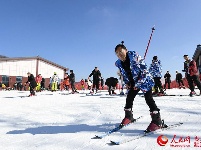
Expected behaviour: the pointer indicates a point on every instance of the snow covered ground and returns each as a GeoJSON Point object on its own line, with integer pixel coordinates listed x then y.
{"type": "Point", "coordinates": [54, 121]}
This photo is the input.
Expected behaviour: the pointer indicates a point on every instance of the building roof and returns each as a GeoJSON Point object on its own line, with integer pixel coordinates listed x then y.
{"type": "Point", "coordinates": [197, 52]}
{"type": "Point", "coordinates": [31, 58]}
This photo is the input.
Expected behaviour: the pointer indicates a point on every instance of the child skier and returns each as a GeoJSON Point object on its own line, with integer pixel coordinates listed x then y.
{"type": "Point", "coordinates": [136, 77]}
{"type": "Point", "coordinates": [82, 84]}
{"type": "Point", "coordinates": [66, 82]}
{"type": "Point", "coordinates": [155, 70]}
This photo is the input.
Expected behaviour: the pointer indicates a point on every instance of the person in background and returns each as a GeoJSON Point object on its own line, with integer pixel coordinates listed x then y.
{"type": "Point", "coordinates": [38, 81]}
{"type": "Point", "coordinates": [25, 85]}
{"type": "Point", "coordinates": [179, 79]}
{"type": "Point", "coordinates": [32, 83]}
{"type": "Point", "coordinates": [72, 82]}
{"type": "Point", "coordinates": [43, 84]}
{"type": "Point", "coordinates": [82, 84]}
{"type": "Point", "coordinates": [167, 77]}
{"type": "Point", "coordinates": [96, 79]}
{"type": "Point", "coordinates": [15, 86]}
{"type": "Point", "coordinates": [89, 83]}
{"type": "Point", "coordinates": [54, 82]}
{"type": "Point", "coordinates": [66, 82]}
{"type": "Point", "coordinates": [111, 83]}
{"type": "Point", "coordinates": [191, 74]}
{"type": "Point", "coordinates": [155, 70]}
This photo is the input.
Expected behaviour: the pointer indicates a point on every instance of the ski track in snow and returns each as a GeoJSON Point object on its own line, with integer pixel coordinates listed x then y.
{"type": "Point", "coordinates": [55, 121]}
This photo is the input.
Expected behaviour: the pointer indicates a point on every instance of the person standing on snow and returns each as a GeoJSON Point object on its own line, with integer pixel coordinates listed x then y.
{"type": "Point", "coordinates": [38, 81]}
{"type": "Point", "coordinates": [32, 83]}
{"type": "Point", "coordinates": [167, 77]}
{"type": "Point", "coordinates": [179, 79]}
{"type": "Point", "coordinates": [66, 82]}
{"type": "Point", "coordinates": [191, 74]}
{"type": "Point", "coordinates": [72, 82]}
{"type": "Point", "coordinates": [54, 82]}
{"type": "Point", "coordinates": [82, 84]}
{"type": "Point", "coordinates": [89, 83]}
{"type": "Point", "coordinates": [136, 77]}
{"type": "Point", "coordinates": [155, 70]}
{"type": "Point", "coordinates": [96, 79]}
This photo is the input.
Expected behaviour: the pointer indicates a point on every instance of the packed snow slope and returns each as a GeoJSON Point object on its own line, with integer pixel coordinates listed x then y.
{"type": "Point", "coordinates": [55, 121]}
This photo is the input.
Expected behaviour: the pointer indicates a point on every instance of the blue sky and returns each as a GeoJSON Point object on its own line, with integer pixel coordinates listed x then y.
{"type": "Point", "coordinates": [82, 34]}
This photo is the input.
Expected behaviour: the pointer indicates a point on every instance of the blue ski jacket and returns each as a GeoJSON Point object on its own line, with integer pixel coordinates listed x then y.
{"type": "Point", "coordinates": [155, 69]}
{"type": "Point", "coordinates": [140, 74]}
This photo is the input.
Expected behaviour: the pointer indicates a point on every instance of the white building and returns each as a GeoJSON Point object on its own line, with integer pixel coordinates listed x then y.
{"type": "Point", "coordinates": [15, 69]}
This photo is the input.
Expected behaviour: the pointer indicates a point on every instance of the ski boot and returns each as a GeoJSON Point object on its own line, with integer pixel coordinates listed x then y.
{"type": "Point", "coordinates": [30, 95]}
{"type": "Point", "coordinates": [113, 92]}
{"type": "Point", "coordinates": [91, 92]}
{"type": "Point", "coordinates": [155, 94]}
{"type": "Point", "coordinates": [121, 93]}
{"type": "Point", "coordinates": [156, 122]}
{"type": "Point", "coordinates": [128, 117]}
{"type": "Point", "coordinates": [161, 93]}
{"type": "Point", "coordinates": [192, 93]}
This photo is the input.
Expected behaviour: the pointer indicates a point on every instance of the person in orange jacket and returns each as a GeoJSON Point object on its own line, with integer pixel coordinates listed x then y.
{"type": "Point", "coordinates": [38, 81]}
{"type": "Point", "coordinates": [66, 81]}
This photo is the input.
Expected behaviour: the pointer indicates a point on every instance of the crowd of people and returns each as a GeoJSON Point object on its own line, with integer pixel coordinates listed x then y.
{"type": "Point", "coordinates": [97, 82]}
{"type": "Point", "coordinates": [134, 73]}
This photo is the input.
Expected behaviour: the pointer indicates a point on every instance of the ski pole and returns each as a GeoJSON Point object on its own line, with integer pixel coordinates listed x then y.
{"type": "Point", "coordinates": [149, 42]}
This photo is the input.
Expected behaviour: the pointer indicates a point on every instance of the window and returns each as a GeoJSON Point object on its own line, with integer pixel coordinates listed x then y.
{"type": "Point", "coordinates": [5, 80]}
{"type": "Point", "coordinates": [18, 79]}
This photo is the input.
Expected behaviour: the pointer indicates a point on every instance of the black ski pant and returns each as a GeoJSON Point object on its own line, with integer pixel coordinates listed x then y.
{"type": "Point", "coordinates": [148, 98]}
{"type": "Point", "coordinates": [72, 84]}
{"type": "Point", "coordinates": [31, 89]}
{"type": "Point", "coordinates": [167, 82]}
{"type": "Point", "coordinates": [66, 87]}
{"type": "Point", "coordinates": [111, 89]}
{"type": "Point", "coordinates": [191, 80]}
{"type": "Point", "coordinates": [180, 81]}
{"type": "Point", "coordinates": [95, 85]}
{"type": "Point", "coordinates": [158, 84]}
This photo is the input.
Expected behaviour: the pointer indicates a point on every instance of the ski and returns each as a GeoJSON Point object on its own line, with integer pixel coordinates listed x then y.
{"type": "Point", "coordinates": [141, 135]}
{"type": "Point", "coordinates": [116, 129]}
{"type": "Point", "coordinates": [93, 94]}
{"type": "Point", "coordinates": [181, 95]}
{"type": "Point", "coordinates": [27, 96]}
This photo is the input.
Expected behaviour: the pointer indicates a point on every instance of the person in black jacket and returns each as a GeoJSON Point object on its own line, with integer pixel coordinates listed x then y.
{"type": "Point", "coordinates": [167, 77]}
{"type": "Point", "coordinates": [111, 83]}
{"type": "Point", "coordinates": [179, 79]}
{"type": "Point", "coordinates": [72, 81]}
{"type": "Point", "coordinates": [32, 83]}
{"type": "Point", "coordinates": [96, 78]}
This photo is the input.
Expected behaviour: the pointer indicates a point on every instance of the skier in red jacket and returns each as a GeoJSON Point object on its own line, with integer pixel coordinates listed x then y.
{"type": "Point", "coordinates": [191, 74]}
